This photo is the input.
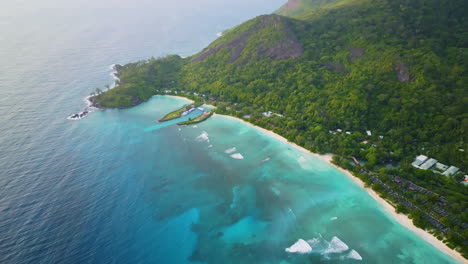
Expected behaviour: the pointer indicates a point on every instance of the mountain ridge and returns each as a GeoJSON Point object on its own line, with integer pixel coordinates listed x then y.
{"type": "Point", "coordinates": [283, 45]}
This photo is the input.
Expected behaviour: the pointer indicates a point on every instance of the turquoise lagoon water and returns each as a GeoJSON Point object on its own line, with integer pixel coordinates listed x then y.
{"type": "Point", "coordinates": [206, 203]}
{"type": "Point", "coordinates": [116, 187]}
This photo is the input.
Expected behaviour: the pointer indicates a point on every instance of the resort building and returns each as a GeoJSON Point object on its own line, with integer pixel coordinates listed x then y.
{"type": "Point", "coordinates": [425, 163]}
{"type": "Point", "coordinates": [270, 113]}
{"type": "Point", "coordinates": [450, 171]}
{"type": "Point", "coordinates": [428, 164]}
{"type": "Point", "coordinates": [419, 160]}
{"type": "Point", "coordinates": [441, 166]}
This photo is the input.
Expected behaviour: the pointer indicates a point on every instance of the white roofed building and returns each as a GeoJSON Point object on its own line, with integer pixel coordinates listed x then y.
{"type": "Point", "coordinates": [428, 164]}
{"type": "Point", "coordinates": [452, 170]}
{"type": "Point", "coordinates": [441, 166]}
{"type": "Point", "coordinates": [419, 160]}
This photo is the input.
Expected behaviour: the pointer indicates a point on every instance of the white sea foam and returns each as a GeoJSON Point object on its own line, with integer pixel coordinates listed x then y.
{"type": "Point", "coordinates": [88, 109]}
{"type": "Point", "coordinates": [354, 255]}
{"type": "Point", "coordinates": [301, 247]}
{"type": "Point", "coordinates": [266, 159]}
{"type": "Point", "coordinates": [195, 126]}
{"type": "Point", "coordinates": [313, 242]}
{"type": "Point", "coordinates": [334, 218]}
{"type": "Point", "coordinates": [203, 137]}
{"type": "Point", "coordinates": [276, 191]}
{"type": "Point", "coordinates": [210, 146]}
{"type": "Point", "coordinates": [237, 156]}
{"type": "Point", "coordinates": [78, 116]}
{"type": "Point", "coordinates": [301, 159]}
{"type": "Point", "coordinates": [292, 213]}
{"type": "Point", "coordinates": [114, 76]}
{"type": "Point", "coordinates": [336, 246]}
{"type": "Point", "coordinates": [230, 150]}
{"type": "Point", "coordinates": [113, 73]}
{"type": "Point", "coordinates": [87, 101]}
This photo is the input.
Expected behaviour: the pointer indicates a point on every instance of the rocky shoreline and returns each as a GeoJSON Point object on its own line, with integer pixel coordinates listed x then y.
{"type": "Point", "coordinates": [92, 103]}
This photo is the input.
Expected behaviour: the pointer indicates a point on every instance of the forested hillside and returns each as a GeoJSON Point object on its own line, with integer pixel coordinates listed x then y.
{"type": "Point", "coordinates": [398, 68]}
{"type": "Point", "coordinates": [296, 7]}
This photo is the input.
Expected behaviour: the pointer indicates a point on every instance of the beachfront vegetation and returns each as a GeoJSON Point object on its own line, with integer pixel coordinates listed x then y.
{"type": "Point", "coordinates": [398, 68]}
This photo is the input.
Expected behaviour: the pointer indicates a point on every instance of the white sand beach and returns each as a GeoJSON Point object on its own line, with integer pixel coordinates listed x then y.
{"type": "Point", "coordinates": [400, 218]}
{"type": "Point", "coordinates": [181, 98]}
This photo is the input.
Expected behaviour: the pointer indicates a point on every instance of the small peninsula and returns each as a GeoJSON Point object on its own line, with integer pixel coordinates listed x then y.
{"type": "Point", "coordinates": [199, 119]}
{"type": "Point", "coordinates": [377, 83]}
{"type": "Point", "coordinates": [184, 110]}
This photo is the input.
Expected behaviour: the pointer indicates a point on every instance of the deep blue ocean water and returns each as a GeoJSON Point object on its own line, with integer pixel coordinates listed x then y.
{"type": "Point", "coordinates": [116, 187]}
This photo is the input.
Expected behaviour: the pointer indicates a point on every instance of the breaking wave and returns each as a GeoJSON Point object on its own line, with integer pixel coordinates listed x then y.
{"type": "Point", "coordinates": [336, 246]}
{"type": "Point", "coordinates": [354, 255]}
{"type": "Point", "coordinates": [333, 249]}
{"type": "Point", "coordinates": [230, 150]}
{"type": "Point", "coordinates": [301, 247]}
{"type": "Point", "coordinates": [301, 159]}
{"type": "Point", "coordinates": [237, 156]}
{"type": "Point", "coordinates": [203, 137]}
{"type": "Point", "coordinates": [89, 105]}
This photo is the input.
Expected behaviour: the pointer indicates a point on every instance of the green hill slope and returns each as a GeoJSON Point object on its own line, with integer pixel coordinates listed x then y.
{"type": "Point", "coordinates": [364, 65]}
{"type": "Point", "coordinates": [398, 68]}
{"type": "Point", "coordinates": [265, 36]}
{"type": "Point", "coordinates": [297, 7]}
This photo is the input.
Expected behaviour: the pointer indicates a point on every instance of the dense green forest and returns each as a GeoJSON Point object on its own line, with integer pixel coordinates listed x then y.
{"type": "Point", "coordinates": [296, 7]}
{"type": "Point", "coordinates": [333, 69]}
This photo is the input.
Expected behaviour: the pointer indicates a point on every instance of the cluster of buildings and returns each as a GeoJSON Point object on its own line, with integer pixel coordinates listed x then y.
{"type": "Point", "coordinates": [339, 130]}
{"type": "Point", "coordinates": [425, 163]}
{"type": "Point", "coordinates": [188, 110]}
{"type": "Point", "coordinates": [270, 113]}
